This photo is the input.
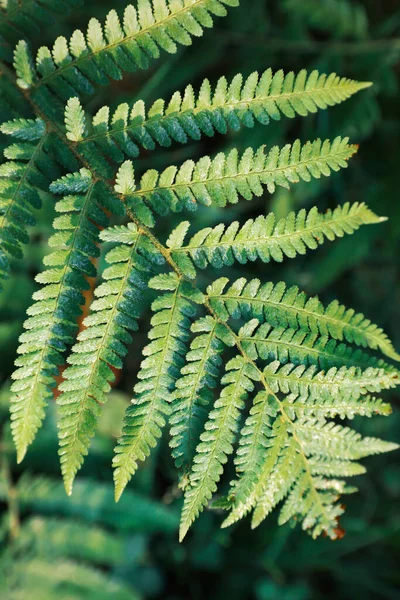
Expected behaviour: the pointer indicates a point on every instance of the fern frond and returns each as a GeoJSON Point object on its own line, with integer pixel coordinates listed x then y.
{"type": "Point", "coordinates": [309, 383]}
{"type": "Point", "coordinates": [277, 468]}
{"type": "Point", "coordinates": [145, 418]}
{"type": "Point", "coordinates": [341, 17]}
{"type": "Point", "coordinates": [52, 318]}
{"type": "Point", "coordinates": [217, 439]}
{"type": "Point", "coordinates": [194, 388]}
{"type": "Point", "coordinates": [73, 66]}
{"type": "Point", "coordinates": [30, 165]}
{"type": "Point", "coordinates": [344, 407]}
{"type": "Point", "coordinates": [228, 177]}
{"type": "Point", "coordinates": [301, 347]}
{"type": "Point", "coordinates": [227, 106]}
{"type": "Point", "coordinates": [330, 440]}
{"type": "Point", "coordinates": [265, 239]}
{"type": "Point", "coordinates": [283, 451]}
{"type": "Point", "coordinates": [101, 345]}
{"type": "Point", "coordinates": [287, 307]}
{"type": "Point", "coordinates": [261, 435]}
{"type": "Point", "coordinates": [272, 461]}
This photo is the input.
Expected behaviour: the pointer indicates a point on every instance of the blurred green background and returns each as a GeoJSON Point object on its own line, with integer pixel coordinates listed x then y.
{"type": "Point", "coordinates": [52, 546]}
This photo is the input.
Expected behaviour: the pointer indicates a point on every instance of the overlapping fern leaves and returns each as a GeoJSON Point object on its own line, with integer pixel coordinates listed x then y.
{"type": "Point", "coordinates": [229, 105]}
{"type": "Point", "coordinates": [295, 363]}
{"type": "Point", "coordinates": [74, 66]}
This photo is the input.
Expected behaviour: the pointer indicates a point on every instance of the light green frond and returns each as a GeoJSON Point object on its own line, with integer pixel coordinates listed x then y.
{"type": "Point", "coordinates": [229, 177]}
{"type": "Point", "coordinates": [288, 307]}
{"type": "Point", "coordinates": [23, 65]}
{"type": "Point", "coordinates": [75, 121]}
{"type": "Point", "coordinates": [217, 439]}
{"type": "Point", "coordinates": [276, 480]}
{"type": "Point", "coordinates": [331, 467]}
{"type": "Point", "coordinates": [266, 239]}
{"type": "Point", "coordinates": [52, 317]}
{"type": "Point", "coordinates": [342, 407]}
{"type": "Point", "coordinates": [261, 441]}
{"type": "Point", "coordinates": [194, 388]}
{"type": "Point", "coordinates": [308, 498]}
{"type": "Point", "coordinates": [230, 105]}
{"type": "Point", "coordinates": [73, 66]}
{"type": "Point", "coordinates": [165, 354]}
{"type": "Point", "coordinates": [330, 440]}
{"type": "Point", "coordinates": [286, 446]}
{"type": "Point", "coordinates": [301, 347]}
{"type": "Point", "coordinates": [101, 345]}
{"type": "Point", "coordinates": [309, 383]}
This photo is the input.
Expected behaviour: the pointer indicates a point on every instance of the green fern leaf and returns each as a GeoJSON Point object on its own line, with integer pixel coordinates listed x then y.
{"type": "Point", "coordinates": [345, 408]}
{"type": "Point", "coordinates": [227, 106]}
{"type": "Point", "coordinates": [228, 177]}
{"type": "Point", "coordinates": [330, 440]}
{"type": "Point", "coordinates": [52, 318]}
{"type": "Point", "coordinates": [281, 306]}
{"type": "Point", "coordinates": [73, 66]}
{"type": "Point", "coordinates": [145, 418]}
{"type": "Point", "coordinates": [265, 239]}
{"type": "Point", "coordinates": [20, 176]}
{"type": "Point", "coordinates": [259, 434]}
{"type": "Point", "coordinates": [335, 384]}
{"type": "Point", "coordinates": [101, 345]}
{"type": "Point", "coordinates": [194, 389]}
{"type": "Point", "coordinates": [217, 439]}
{"type": "Point", "coordinates": [301, 347]}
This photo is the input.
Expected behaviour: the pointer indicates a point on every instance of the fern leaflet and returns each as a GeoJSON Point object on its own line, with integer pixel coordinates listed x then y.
{"type": "Point", "coordinates": [227, 106]}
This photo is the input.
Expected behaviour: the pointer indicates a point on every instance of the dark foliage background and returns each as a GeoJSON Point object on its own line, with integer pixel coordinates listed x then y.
{"type": "Point", "coordinates": [69, 547]}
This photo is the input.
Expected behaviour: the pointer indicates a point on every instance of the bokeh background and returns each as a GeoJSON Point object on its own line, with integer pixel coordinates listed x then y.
{"type": "Point", "coordinates": [54, 547]}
